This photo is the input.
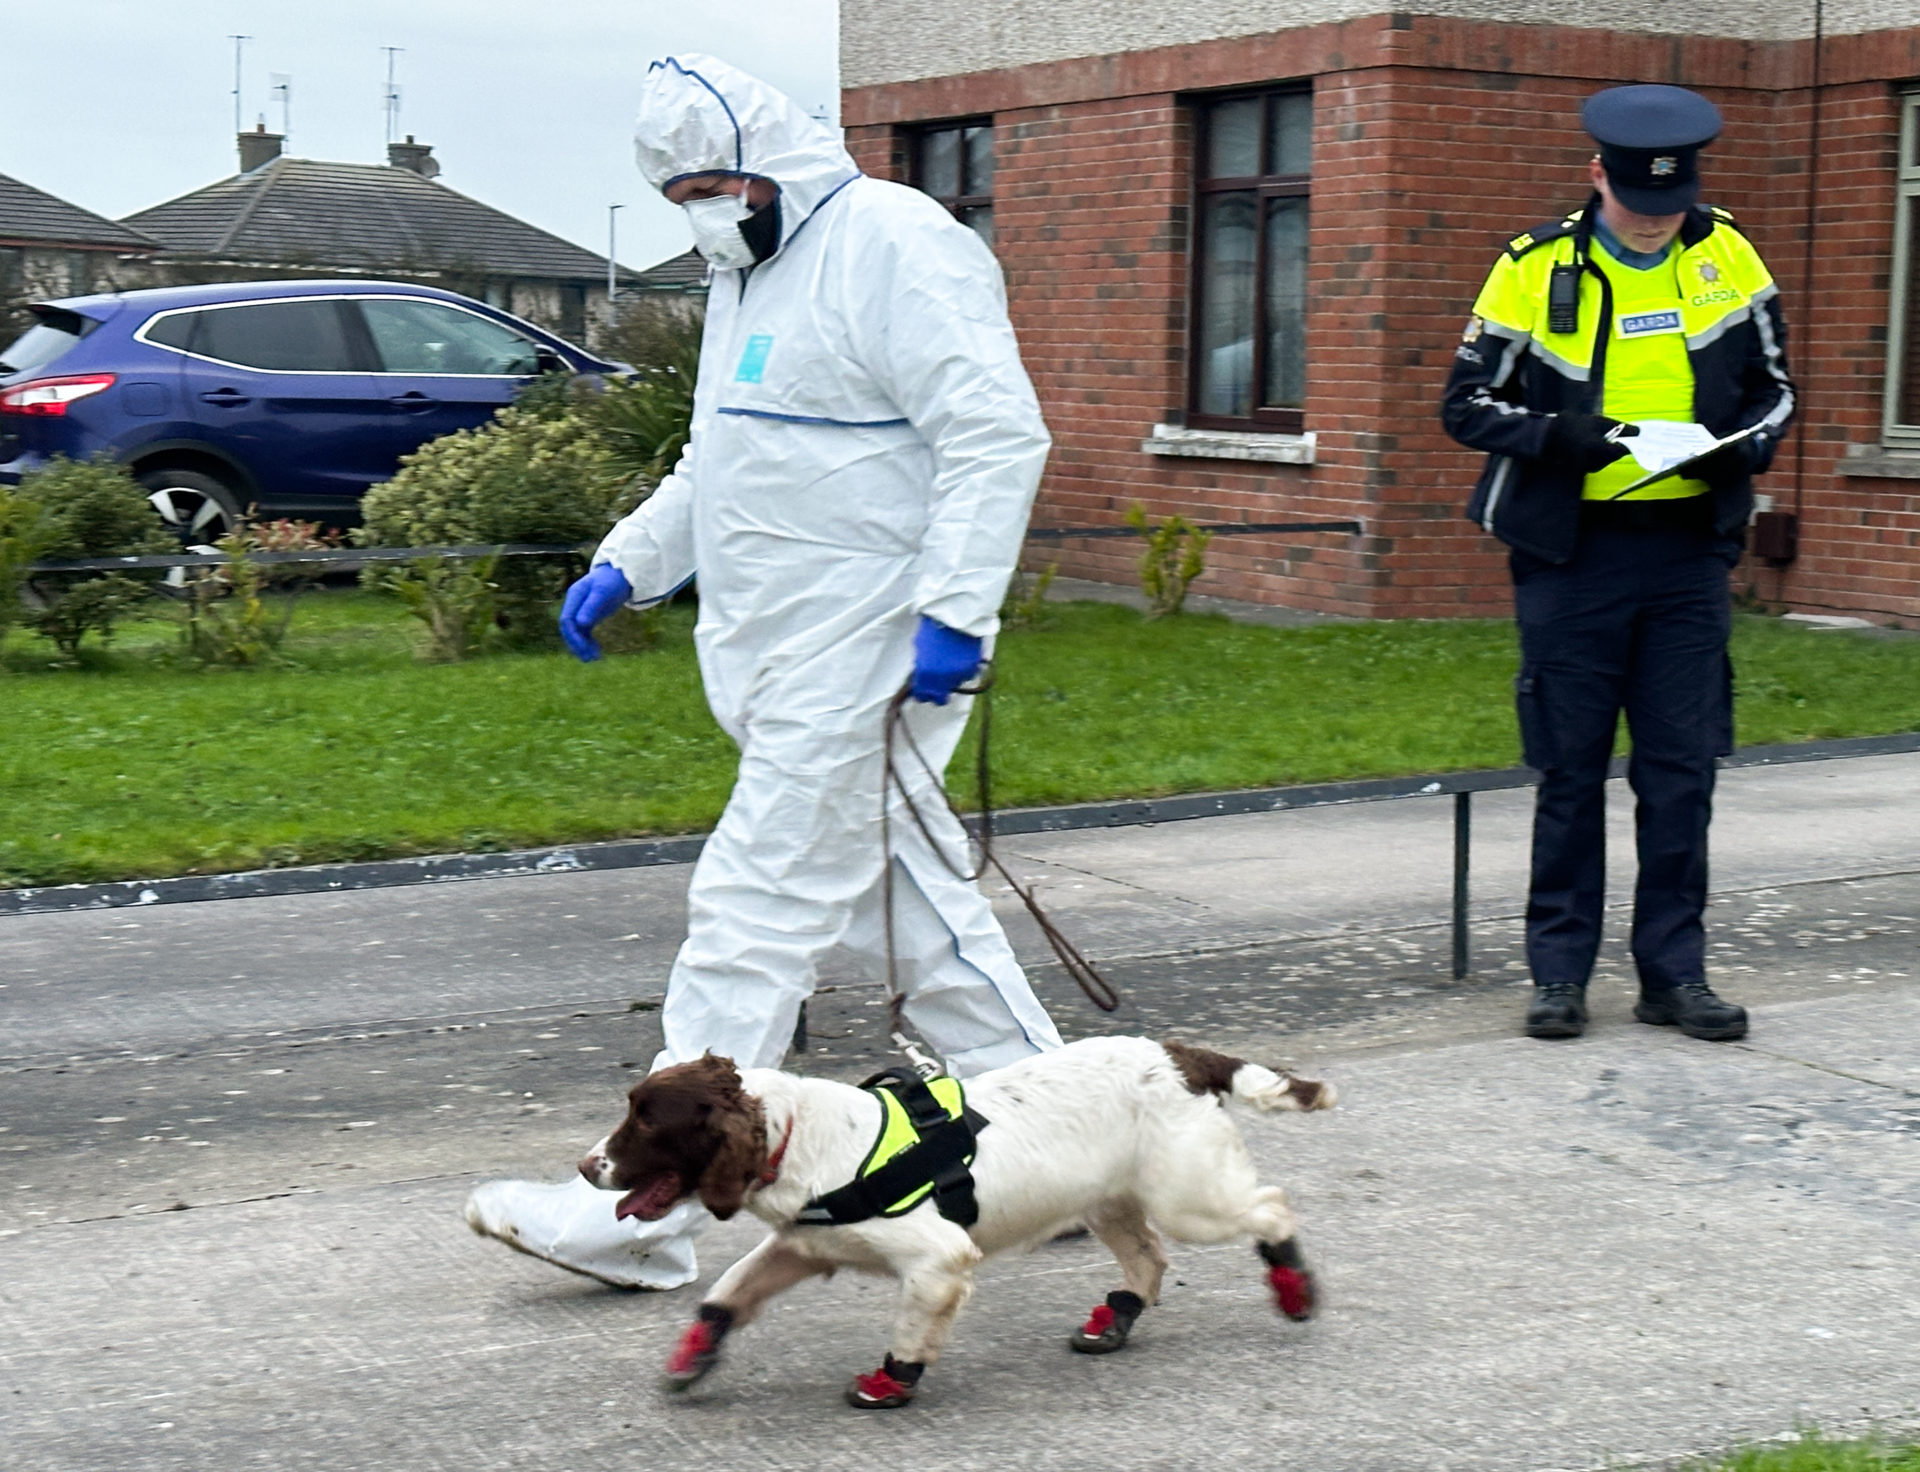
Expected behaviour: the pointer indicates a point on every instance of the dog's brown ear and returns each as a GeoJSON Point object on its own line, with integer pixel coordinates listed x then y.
{"type": "Point", "coordinates": [739, 1160]}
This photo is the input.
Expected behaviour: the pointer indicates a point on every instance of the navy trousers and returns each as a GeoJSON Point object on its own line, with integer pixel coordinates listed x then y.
{"type": "Point", "coordinates": [1637, 623]}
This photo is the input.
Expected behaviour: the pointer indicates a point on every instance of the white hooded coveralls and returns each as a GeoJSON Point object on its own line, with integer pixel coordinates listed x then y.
{"type": "Point", "coordinates": [865, 449]}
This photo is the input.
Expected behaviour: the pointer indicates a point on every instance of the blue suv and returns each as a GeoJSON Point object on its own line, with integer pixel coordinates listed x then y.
{"type": "Point", "coordinates": [292, 396]}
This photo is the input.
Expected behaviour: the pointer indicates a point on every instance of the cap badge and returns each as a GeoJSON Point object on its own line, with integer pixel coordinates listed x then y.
{"type": "Point", "coordinates": [1709, 272]}
{"type": "Point", "coordinates": [1663, 166]}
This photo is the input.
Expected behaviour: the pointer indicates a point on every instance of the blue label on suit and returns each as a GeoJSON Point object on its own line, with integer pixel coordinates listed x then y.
{"type": "Point", "coordinates": [753, 361]}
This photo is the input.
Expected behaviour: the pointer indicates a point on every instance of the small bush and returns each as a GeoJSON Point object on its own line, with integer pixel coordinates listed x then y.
{"type": "Point", "coordinates": [24, 530]}
{"type": "Point", "coordinates": [536, 473]}
{"type": "Point", "coordinates": [227, 619]}
{"type": "Point", "coordinates": [1176, 554]}
{"type": "Point", "coordinates": [454, 598]}
{"type": "Point", "coordinates": [89, 508]}
{"type": "Point", "coordinates": [559, 467]}
{"type": "Point", "coordinates": [646, 419]}
{"type": "Point", "coordinates": [1025, 605]}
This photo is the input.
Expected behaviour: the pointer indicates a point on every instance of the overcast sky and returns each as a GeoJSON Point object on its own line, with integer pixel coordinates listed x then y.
{"type": "Point", "coordinates": [529, 104]}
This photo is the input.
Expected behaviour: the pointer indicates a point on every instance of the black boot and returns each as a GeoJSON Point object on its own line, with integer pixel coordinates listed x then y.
{"type": "Point", "coordinates": [1695, 1010]}
{"type": "Point", "coordinates": [1558, 1010]}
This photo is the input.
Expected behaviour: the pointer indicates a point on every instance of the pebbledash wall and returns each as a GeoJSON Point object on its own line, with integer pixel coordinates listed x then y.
{"type": "Point", "coordinates": [1436, 136]}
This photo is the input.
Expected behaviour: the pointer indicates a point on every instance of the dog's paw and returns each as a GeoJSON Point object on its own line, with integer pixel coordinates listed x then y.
{"type": "Point", "coordinates": [1101, 1334]}
{"type": "Point", "coordinates": [885, 1388]}
{"type": "Point", "coordinates": [1292, 1291]}
{"type": "Point", "coordinates": [1107, 1328]}
{"type": "Point", "coordinates": [697, 1352]}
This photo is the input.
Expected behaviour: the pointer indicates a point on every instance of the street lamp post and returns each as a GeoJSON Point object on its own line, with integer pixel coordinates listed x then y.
{"type": "Point", "coordinates": [613, 288]}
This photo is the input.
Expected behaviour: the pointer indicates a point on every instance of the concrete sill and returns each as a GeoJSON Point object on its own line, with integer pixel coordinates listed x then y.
{"type": "Point", "coordinates": [1880, 463]}
{"type": "Point", "coordinates": [1228, 444]}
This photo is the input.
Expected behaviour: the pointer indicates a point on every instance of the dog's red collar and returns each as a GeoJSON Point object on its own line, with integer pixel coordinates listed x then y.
{"type": "Point", "coordinates": [771, 1172]}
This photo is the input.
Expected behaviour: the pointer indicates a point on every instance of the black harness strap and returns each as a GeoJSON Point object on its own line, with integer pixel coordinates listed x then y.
{"type": "Point", "coordinates": [939, 1157]}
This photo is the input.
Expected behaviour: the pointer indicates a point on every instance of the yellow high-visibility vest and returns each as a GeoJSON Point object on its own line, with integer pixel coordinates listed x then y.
{"type": "Point", "coordinates": [1648, 373]}
{"type": "Point", "coordinates": [1684, 303]}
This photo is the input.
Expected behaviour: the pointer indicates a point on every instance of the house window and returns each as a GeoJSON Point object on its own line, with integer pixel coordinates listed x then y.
{"type": "Point", "coordinates": [1902, 402]}
{"type": "Point", "coordinates": [1249, 336]}
{"type": "Point", "coordinates": [954, 163]}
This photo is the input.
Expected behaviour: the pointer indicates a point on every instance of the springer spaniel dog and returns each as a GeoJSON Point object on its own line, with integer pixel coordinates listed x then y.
{"type": "Point", "coordinates": [1126, 1135]}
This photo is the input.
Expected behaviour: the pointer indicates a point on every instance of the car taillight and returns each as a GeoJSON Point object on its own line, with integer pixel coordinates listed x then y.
{"type": "Point", "coordinates": [50, 396]}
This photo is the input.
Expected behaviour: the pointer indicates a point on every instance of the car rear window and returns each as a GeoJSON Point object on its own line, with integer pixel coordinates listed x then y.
{"type": "Point", "coordinates": [44, 342]}
{"type": "Point", "coordinates": [288, 336]}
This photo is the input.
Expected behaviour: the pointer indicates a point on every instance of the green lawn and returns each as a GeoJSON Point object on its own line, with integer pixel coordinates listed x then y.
{"type": "Point", "coordinates": [138, 766]}
{"type": "Point", "coordinates": [1815, 1453]}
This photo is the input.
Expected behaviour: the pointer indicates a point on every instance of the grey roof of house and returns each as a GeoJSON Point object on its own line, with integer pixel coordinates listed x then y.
{"type": "Point", "coordinates": [358, 216]}
{"type": "Point", "coordinates": [31, 214]}
{"type": "Point", "coordinates": [684, 272]}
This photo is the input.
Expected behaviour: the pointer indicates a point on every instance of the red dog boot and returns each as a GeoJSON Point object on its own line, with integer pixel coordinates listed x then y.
{"type": "Point", "coordinates": [699, 1348]}
{"type": "Point", "coordinates": [1110, 1324]}
{"type": "Point", "coordinates": [889, 1386]}
{"type": "Point", "coordinates": [1287, 1275]}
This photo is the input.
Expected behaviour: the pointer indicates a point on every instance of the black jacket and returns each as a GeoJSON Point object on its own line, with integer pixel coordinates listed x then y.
{"type": "Point", "coordinates": [1511, 372]}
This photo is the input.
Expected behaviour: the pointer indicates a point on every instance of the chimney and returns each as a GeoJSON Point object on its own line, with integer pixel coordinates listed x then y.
{"type": "Point", "coordinates": [259, 147]}
{"type": "Point", "coordinates": [416, 158]}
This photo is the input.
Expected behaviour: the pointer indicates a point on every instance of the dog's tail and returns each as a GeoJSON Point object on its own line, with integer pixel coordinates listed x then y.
{"type": "Point", "coordinates": [1264, 1089]}
{"type": "Point", "coordinates": [1205, 1071]}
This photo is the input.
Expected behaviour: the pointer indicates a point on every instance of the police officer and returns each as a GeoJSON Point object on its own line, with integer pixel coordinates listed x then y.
{"type": "Point", "coordinates": [1643, 306]}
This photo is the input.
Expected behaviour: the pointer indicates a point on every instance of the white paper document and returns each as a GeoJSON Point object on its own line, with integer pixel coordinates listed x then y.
{"type": "Point", "coordinates": [1665, 449]}
{"type": "Point", "coordinates": [1663, 444]}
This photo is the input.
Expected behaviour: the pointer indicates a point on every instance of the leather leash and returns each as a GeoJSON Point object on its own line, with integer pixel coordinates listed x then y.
{"type": "Point", "coordinates": [1097, 988]}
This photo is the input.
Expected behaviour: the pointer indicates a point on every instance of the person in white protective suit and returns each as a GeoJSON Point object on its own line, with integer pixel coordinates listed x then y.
{"type": "Point", "coordinates": [853, 498]}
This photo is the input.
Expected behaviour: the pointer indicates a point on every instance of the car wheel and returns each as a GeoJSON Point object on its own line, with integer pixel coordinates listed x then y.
{"type": "Point", "coordinates": [197, 509]}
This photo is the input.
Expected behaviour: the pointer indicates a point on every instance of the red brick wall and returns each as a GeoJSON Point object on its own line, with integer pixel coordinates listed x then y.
{"type": "Point", "coordinates": [1434, 140]}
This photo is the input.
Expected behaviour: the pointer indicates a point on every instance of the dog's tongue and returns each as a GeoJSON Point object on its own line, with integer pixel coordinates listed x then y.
{"type": "Point", "coordinates": [651, 1201]}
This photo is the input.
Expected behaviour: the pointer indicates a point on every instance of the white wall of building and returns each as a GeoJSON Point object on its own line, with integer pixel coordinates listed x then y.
{"type": "Point", "coordinates": [904, 40]}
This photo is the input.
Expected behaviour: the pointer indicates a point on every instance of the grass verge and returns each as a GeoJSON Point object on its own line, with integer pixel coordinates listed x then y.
{"type": "Point", "coordinates": [1812, 1452]}
{"type": "Point", "coordinates": [135, 766]}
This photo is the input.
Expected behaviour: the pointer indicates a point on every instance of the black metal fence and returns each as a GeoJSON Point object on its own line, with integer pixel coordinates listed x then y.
{"type": "Point", "coordinates": [359, 555]}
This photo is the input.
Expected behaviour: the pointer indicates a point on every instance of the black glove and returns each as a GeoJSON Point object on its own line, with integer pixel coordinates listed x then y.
{"type": "Point", "coordinates": [1736, 462]}
{"type": "Point", "coordinates": [1586, 441]}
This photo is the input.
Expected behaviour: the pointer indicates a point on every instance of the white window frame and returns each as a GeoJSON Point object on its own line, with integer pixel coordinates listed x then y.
{"type": "Point", "coordinates": [1893, 432]}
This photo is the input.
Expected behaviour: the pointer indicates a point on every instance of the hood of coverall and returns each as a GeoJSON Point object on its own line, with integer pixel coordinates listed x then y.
{"type": "Point", "coordinates": [699, 115]}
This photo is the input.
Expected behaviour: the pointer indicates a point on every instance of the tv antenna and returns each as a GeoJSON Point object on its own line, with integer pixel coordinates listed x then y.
{"type": "Point", "coordinates": [239, 45]}
{"type": "Point", "coordinates": [283, 93]}
{"type": "Point", "coordinates": [393, 95]}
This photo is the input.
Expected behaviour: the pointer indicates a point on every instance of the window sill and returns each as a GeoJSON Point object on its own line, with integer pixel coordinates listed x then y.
{"type": "Point", "coordinates": [1880, 463]}
{"type": "Point", "coordinates": [1230, 444]}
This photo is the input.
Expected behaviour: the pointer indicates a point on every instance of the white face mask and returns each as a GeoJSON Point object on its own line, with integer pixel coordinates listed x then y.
{"type": "Point", "coordinates": [716, 230]}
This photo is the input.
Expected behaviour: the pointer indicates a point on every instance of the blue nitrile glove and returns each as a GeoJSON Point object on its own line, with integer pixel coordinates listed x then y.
{"type": "Point", "coordinates": [943, 660]}
{"type": "Point", "coordinates": [602, 591]}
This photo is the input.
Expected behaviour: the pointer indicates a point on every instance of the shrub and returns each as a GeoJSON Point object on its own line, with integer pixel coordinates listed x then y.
{"type": "Point", "coordinates": [560, 466]}
{"type": "Point", "coordinates": [227, 619]}
{"type": "Point", "coordinates": [651, 332]}
{"type": "Point", "coordinates": [645, 419]}
{"type": "Point", "coordinates": [453, 597]}
{"type": "Point", "coordinates": [23, 532]}
{"type": "Point", "coordinates": [1176, 554]}
{"type": "Point", "coordinates": [1024, 607]}
{"type": "Point", "coordinates": [89, 508]}
{"type": "Point", "coordinates": [536, 473]}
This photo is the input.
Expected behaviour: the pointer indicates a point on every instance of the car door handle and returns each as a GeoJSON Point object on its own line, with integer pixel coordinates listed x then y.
{"type": "Point", "coordinates": [413, 401]}
{"type": "Point", "coordinates": [226, 398]}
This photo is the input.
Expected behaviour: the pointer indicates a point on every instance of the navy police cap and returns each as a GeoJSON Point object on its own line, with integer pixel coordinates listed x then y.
{"type": "Point", "coordinates": [1649, 137]}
